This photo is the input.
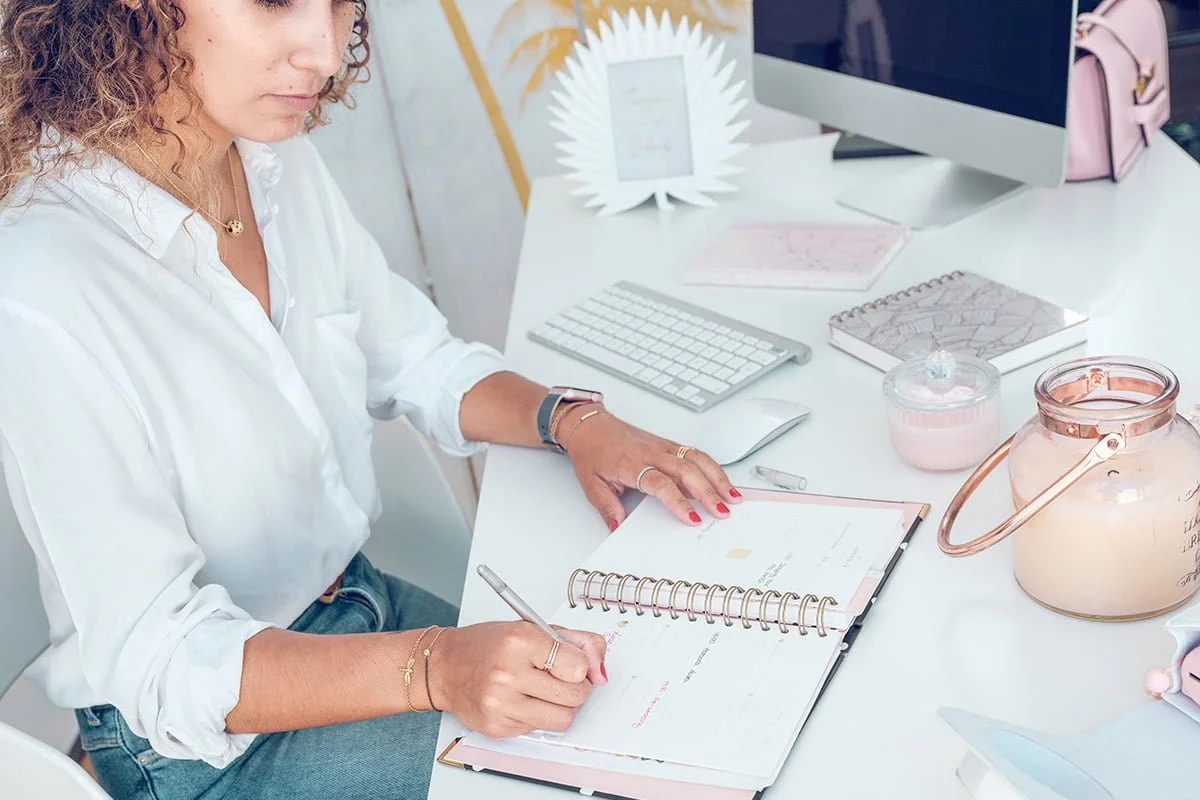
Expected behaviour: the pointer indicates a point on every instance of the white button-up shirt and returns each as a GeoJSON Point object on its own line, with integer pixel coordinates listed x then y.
{"type": "Point", "coordinates": [189, 471]}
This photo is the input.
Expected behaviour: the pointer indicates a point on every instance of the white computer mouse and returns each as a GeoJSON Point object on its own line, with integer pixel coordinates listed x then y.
{"type": "Point", "coordinates": [737, 427]}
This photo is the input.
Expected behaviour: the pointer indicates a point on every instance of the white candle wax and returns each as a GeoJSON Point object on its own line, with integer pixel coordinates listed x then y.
{"type": "Point", "coordinates": [1123, 541]}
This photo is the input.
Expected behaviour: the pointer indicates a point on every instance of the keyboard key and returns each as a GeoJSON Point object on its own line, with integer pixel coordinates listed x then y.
{"type": "Point", "coordinates": [705, 336]}
{"type": "Point", "coordinates": [736, 362]}
{"type": "Point", "coordinates": [764, 345]}
{"type": "Point", "coordinates": [671, 388]}
{"type": "Point", "coordinates": [672, 352]}
{"type": "Point", "coordinates": [761, 357]}
{"type": "Point", "coordinates": [746, 372]}
{"type": "Point", "coordinates": [662, 363]}
{"type": "Point", "coordinates": [610, 359]}
{"type": "Point", "coordinates": [688, 391]}
{"type": "Point", "coordinates": [697, 362]}
{"type": "Point", "coordinates": [737, 336]}
{"type": "Point", "coordinates": [674, 369]}
{"type": "Point", "coordinates": [721, 358]}
{"type": "Point", "coordinates": [688, 374]}
{"type": "Point", "coordinates": [697, 400]}
{"type": "Point", "coordinates": [660, 381]}
{"type": "Point", "coordinates": [746, 350]}
{"type": "Point", "coordinates": [723, 374]}
{"type": "Point", "coordinates": [710, 384]}
{"type": "Point", "coordinates": [648, 374]}
{"type": "Point", "coordinates": [709, 352]}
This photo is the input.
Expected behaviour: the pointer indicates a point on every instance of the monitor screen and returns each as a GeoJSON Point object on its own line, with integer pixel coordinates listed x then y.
{"type": "Point", "coordinates": [1011, 56]}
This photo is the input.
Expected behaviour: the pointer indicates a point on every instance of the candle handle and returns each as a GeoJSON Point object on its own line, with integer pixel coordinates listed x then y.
{"type": "Point", "coordinates": [1106, 448]}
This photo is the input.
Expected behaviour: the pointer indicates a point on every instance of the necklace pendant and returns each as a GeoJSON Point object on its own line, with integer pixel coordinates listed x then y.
{"type": "Point", "coordinates": [234, 227]}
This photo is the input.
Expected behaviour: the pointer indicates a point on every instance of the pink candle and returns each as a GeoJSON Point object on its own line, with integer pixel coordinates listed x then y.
{"type": "Point", "coordinates": [943, 411]}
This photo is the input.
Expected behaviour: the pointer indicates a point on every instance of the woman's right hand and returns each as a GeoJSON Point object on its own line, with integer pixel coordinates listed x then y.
{"type": "Point", "coordinates": [490, 677]}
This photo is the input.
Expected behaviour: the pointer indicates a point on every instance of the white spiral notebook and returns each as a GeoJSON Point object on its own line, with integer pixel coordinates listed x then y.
{"type": "Point", "coordinates": [960, 312]}
{"type": "Point", "coordinates": [737, 624]}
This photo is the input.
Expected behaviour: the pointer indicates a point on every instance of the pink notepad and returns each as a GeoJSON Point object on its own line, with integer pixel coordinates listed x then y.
{"type": "Point", "coordinates": [799, 255]}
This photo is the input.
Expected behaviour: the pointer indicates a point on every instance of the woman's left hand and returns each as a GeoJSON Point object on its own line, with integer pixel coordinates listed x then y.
{"type": "Point", "coordinates": [609, 455]}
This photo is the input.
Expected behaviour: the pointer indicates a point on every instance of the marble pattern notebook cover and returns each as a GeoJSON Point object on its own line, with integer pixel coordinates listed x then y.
{"type": "Point", "coordinates": [798, 255]}
{"type": "Point", "coordinates": [963, 313]}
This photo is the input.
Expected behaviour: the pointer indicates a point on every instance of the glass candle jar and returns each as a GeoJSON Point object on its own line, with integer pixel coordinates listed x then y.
{"type": "Point", "coordinates": [943, 412]}
{"type": "Point", "coordinates": [1105, 481]}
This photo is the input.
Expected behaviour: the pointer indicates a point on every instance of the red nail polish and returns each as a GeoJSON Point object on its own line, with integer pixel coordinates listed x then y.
{"type": "Point", "coordinates": [734, 493]}
{"type": "Point", "coordinates": [694, 517]}
{"type": "Point", "coordinates": [724, 509]}
{"type": "Point", "coordinates": [612, 526]}
{"type": "Point", "coordinates": [603, 671]}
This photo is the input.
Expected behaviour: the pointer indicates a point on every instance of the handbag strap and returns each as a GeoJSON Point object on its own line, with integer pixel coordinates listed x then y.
{"type": "Point", "coordinates": [1145, 68]}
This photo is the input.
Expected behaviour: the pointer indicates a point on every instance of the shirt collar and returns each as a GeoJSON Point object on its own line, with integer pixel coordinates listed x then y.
{"type": "Point", "coordinates": [149, 215]}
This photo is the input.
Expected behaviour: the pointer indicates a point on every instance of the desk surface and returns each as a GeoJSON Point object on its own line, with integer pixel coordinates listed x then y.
{"type": "Point", "coordinates": [947, 631]}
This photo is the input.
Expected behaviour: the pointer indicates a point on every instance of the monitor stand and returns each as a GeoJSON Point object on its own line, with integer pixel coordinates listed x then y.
{"type": "Point", "coordinates": [932, 194]}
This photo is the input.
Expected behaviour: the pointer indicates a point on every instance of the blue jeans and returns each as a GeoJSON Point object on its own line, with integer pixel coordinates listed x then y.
{"type": "Point", "coordinates": [387, 758]}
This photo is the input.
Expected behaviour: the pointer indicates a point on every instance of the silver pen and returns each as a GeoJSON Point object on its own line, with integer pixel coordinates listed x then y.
{"type": "Point", "coordinates": [784, 480]}
{"type": "Point", "coordinates": [523, 609]}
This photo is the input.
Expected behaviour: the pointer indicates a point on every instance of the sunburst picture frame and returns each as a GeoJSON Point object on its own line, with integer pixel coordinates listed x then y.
{"type": "Point", "coordinates": [648, 112]}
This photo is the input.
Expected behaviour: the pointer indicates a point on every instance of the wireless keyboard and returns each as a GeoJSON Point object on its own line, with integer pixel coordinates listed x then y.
{"type": "Point", "coordinates": [686, 354]}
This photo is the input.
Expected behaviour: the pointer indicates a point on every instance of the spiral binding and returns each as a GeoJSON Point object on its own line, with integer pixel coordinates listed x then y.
{"type": "Point", "coordinates": [747, 598]}
{"type": "Point", "coordinates": [891, 298]}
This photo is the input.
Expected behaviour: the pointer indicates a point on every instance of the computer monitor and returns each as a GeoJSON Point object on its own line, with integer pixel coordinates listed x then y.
{"type": "Point", "coordinates": [981, 85]}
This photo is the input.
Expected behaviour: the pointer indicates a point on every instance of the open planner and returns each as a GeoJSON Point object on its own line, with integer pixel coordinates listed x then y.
{"type": "Point", "coordinates": [721, 638]}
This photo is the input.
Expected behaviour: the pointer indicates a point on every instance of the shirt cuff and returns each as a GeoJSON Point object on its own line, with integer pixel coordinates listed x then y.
{"type": "Point", "coordinates": [185, 712]}
{"type": "Point", "coordinates": [477, 365]}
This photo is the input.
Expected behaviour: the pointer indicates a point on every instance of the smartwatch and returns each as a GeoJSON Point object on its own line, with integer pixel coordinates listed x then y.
{"type": "Point", "coordinates": [561, 396]}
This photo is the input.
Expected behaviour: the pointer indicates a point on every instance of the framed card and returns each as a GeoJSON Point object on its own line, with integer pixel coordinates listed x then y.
{"type": "Point", "coordinates": [648, 111]}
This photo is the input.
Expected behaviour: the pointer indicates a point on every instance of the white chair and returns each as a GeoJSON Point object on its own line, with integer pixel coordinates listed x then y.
{"type": "Point", "coordinates": [422, 535]}
{"type": "Point", "coordinates": [29, 768]}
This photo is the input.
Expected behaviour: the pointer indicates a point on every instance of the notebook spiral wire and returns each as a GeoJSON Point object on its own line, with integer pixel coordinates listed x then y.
{"type": "Point", "coordinates": [882, 302]}
{"type": "Point", "coordinates": [709, 592]}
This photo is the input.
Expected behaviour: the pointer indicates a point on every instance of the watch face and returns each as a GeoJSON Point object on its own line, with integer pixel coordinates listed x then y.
{"type": "Point", "coordinates": [575, 395]}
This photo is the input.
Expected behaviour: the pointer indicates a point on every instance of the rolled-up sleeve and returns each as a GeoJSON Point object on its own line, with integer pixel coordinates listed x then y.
{"type": "Point", "coordinates": [415, 367]}
{"type": "Point", "coordinates": [79, 462]}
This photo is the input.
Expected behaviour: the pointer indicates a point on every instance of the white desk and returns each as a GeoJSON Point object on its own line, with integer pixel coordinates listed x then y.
{"type": "Point", "coordinates": [946, 631]}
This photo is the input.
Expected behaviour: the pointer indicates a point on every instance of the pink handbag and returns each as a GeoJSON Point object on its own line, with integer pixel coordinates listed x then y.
{"type": "Point", "coordinates": [1120, 88]}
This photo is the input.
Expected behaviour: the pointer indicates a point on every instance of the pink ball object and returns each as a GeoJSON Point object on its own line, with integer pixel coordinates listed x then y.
{"type": "Point", "coordinates": [1158, 681]}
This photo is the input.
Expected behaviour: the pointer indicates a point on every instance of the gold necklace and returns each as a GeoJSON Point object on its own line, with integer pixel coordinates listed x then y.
{"type": "Point", "coordinates": [233, 227]}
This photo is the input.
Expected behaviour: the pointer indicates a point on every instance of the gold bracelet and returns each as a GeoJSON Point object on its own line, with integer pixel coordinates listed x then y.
{"type": "Point", "coordinates": [559, 413]}
{"type": "Point", "coordinates": [578, 422]}
{"type": "Point", "coordinates": [427, 651]}
{"type": "Point", "coordinates": [408, 669]}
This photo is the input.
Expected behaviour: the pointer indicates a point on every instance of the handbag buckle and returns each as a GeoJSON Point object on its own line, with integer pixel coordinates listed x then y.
{"type": "Point", "coordinates": [1145, 76]}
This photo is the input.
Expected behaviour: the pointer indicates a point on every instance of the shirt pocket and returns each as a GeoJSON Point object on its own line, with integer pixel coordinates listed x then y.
{"type": "Point", "coordinates": [338, 332]}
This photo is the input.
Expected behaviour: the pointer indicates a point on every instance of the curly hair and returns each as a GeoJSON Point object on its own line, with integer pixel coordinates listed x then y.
{"type": "Point", "coordinates": [91, 71]}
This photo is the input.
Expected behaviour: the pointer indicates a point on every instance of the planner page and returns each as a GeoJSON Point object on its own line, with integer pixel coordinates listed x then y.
{"type": "Point", "coordinates": [764, 544]}
{"type": "Point", "coordinates": [714, 696]}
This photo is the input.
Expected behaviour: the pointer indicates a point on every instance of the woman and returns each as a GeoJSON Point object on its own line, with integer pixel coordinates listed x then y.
{"type": "Point", "coordinates": [194, 336]}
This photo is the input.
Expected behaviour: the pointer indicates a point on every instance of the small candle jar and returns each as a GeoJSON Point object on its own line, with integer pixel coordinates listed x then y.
{"type": "Point", "coordinates": [943, 411]}
{"type": "Point", "coordinates": [1105, 482]}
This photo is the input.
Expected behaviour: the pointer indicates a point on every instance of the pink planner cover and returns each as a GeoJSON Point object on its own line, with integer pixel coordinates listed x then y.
{"type": "Point", "coordinates": [621, 784]}
{"type": "Point", "coordinates": [799, 255]}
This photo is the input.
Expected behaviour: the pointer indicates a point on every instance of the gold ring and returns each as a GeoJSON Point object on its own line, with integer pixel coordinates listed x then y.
{"type": "Point", "coordinates": [682, 452]}
{"type": "Point", "coordinates": [549, 665]}
{"type": "Point", "coordinates": [642, 474]}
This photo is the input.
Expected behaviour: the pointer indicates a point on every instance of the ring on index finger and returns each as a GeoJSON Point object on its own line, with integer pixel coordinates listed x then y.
{"type": "Point", "coordinates": [682, 452]}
